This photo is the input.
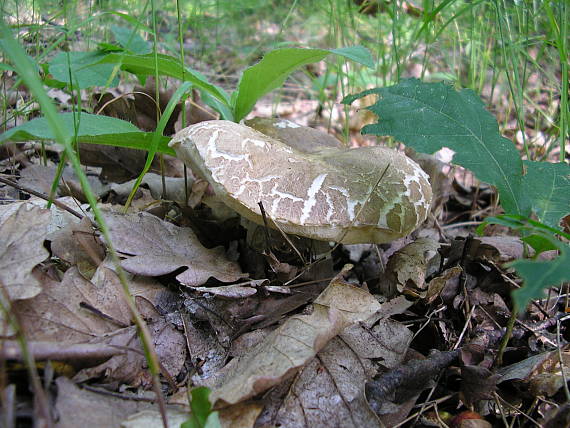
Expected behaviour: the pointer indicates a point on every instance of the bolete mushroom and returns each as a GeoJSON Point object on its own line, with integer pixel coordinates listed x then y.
{"type": "Point", "coordinates": [320, 191]}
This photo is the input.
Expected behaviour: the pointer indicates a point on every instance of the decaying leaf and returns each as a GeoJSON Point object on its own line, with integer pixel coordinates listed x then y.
{"type": "Point", "coordinates": [288, 348]}
{"type": "Point", "coordinates": [78, 311]}
{"type": "Point", "coordinates": [21, 248]}
{"type": "Point", "coordinates": [77, 244]}
{"type": "Point", "coordinates": [406, 269]}
{"type": "Point", "coordinates": [79, 407]}
{"type": "Point", "coordinates": [158, 248]}
{"type": "Point", "coordinates": [479, 383]}
{"type": "Point", "coordinates": [40, 178]}
{"type": "Point", "coordinates": [329, 391]}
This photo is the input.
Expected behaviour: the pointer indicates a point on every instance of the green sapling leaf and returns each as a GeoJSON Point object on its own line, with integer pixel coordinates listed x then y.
{"type": "Point", "coordinates": [357, 54]}
{"type": "Point", "coordinates": [144, 65]}
{"type": "Point", "coordinates": [83, 68]}
{"type": "Point", "coordinates": [130, 40]}
{"type": "Point", "coordinates": [429, 116]}
{"type": "Point", "coordinates": [272, 71]}
{"type": "Point", "coordinates": [92, 129]}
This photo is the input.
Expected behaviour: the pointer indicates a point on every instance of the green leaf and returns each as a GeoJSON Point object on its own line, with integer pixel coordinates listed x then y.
{"type": "Point", "coordinates": [274, 68]}
{"type": "Point", "coordinates": [270, 73]}
{"type": "Point", "coordinates": [539, 275]}
{"type": "Point", "coordinates": [202, 415]}
{"type": "Point", "coordinates": [357, 54]}
{"type": "Point", "coordinates": [153, 148]}
{"type": "Point", "coordinates": [547, 185]}
{"type": "Point", "coordinates": [144, 65]}
{"type": "Point", "coordinates": [6, 67]}
{"type": "Point", "coordinates": [429, 116]}
{"type": "Point", "coordinates": [130, 40]}
{"type": "Point", "coordinates": [84, 69]}
{"type": "Point", "coordinates": [92, 129]}
{"type": "Point", "coordinates": [539, 243]}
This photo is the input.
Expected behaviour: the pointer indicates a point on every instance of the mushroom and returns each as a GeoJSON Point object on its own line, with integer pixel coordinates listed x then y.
{"type": "Point", "coordinates": [319, 190]}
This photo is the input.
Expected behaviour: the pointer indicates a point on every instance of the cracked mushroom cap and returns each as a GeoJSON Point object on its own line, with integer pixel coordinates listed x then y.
{"type": "Point", "coordinates": [362, 195]}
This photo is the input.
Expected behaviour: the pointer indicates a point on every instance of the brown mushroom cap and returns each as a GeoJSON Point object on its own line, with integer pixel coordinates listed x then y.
{"type": "Point", "coordinates": [368, 194]}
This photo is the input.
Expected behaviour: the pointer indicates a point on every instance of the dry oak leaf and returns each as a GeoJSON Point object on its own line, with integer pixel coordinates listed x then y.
{"type": "Point", "coordinates": [22, 237]}
{"type": "Point", "coordinates": [158, 248]}
{"type": "Point", "coordinates": [294, 343]}
{"type": "Point", "coordinates": [58, 316]}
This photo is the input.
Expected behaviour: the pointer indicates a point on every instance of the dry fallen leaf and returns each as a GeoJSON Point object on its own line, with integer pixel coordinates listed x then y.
{"type": "Point", "coordinates": [329, 391]}
{"type": "Point", "coordinates": [78, 311]}
{"type": "Point", "coordinates": [78, 244]}
{"type": "Point", "coordinates": [159, 248]}
{"type": "Point", "coordinates": [21, 248]}
{"type": "Point", "coordinates": [79, 407]}
{"type": "Point", "coordinates": [406, 269]}
{"type": "Point", "coordinates": [295, 342]}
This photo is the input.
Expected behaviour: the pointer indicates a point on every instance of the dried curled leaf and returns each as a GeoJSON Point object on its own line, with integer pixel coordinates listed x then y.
{"type": "Point", "coordinates": [157, 248]}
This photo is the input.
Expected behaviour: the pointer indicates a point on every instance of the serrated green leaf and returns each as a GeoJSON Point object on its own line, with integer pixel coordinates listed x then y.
{"type": "Point", "coordinates": [274, 68]}
{"type": "Point", "coordinates": [430, 116]}
{"type": "Point", "coordinates": [130, 40]}
{"type": "Point", "coordinates": [144, 65]}
{"type": "Point", "coordinates": [539, 275]}
{"type": "Point", "coordinates": [84, 69]}
{"type": "Point", "coordinates": [547, 186]}
{"type": "Point", "coordinates": [92, 129]}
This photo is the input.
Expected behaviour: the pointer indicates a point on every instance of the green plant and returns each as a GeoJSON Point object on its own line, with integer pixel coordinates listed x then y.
{"type": "Point", "coordinates": [97, 68]}
{"type": "Point", "coordinates": [430, 116]}
{"type": "Point", "coordinates": [202, 415]}
{"type": "Point", "coordinates": [80, 70]}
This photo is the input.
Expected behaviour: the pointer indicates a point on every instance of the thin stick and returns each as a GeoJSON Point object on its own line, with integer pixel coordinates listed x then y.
{"type": "Point", "coordinates": [40, 195]}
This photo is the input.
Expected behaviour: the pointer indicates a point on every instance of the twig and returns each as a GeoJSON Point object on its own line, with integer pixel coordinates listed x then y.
{"type": "Point", "coordinates": [40, 195]}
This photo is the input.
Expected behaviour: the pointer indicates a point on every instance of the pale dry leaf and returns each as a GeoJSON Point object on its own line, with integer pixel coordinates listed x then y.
{"type": "Point", "coordinates": [329, 391]}
{"type": "Point", "coordinates": [21, 248]}
{"type": "Point", "coordinates": [59, 218]}
{"type": "Point", "coordinates": [40, 178]}
{"type": "Point", "coordinates": [406, 269]}
{"type": "Point", "coordinates": [387, 342]}
{"type": "Point", "coordinates": [131, 367]}
{"type": "Point", "coordinates": [175, 190]}
{"type": "Point", "coordinates": [77, 244]}
{"type": "Point", "coordinates": [152, 418]}
{"type": "Point", "coordinates": [158, 248]}
{"type": "Point", "coordinates": [295, 342]}
{"type": "Point", "coordinates": [57, 313]}
{"type": "Point", "coordinates": [78, 407]}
